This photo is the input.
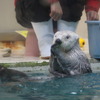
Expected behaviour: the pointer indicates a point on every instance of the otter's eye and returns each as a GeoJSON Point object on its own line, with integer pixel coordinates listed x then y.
{"type": "Point", "coordinates": [68, 37]}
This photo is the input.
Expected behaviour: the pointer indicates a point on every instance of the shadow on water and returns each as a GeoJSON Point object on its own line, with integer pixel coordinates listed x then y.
{"type": "Point", "coordinates": [83, 87]}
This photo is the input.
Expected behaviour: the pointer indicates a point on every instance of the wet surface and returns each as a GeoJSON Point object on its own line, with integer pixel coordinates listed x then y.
{"type": "Point", "coordinates": [83, 87]}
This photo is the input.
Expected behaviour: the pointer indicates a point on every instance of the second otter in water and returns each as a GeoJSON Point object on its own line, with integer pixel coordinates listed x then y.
{"type": "Point", "coordinates": [66, 56]}
{"type": "Point", "coordinates": [11, 75]}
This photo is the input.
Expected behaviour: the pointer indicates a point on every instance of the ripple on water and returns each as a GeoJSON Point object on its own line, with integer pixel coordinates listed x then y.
{"type": "Point", "coordinates": [83, 87]}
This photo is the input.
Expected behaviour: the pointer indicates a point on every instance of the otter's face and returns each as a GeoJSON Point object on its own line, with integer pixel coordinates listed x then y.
{"type": "Point", "coordinates": [65, 39]}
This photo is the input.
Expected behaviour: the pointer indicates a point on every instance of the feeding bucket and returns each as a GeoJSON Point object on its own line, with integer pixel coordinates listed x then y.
{"type": "Point", "coordinates": [94, 38]}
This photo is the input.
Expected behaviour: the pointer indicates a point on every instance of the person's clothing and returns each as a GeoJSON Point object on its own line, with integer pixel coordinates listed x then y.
{"type": "Point", "coordinates": [92, 5]}
{"type": "Point", "coordinates": [28, 11]}
{"type": "Point", "coordinates": [44, 33]}
{"type": "Point", "coordinates": [64, 25]}
{"type": "Point", "coordinates": [50, 1]}
{"type": "Point", "coordinates": [32, 11]}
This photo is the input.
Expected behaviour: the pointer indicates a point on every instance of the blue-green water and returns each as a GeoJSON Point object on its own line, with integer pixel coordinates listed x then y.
{"type": "Point", "coordinates": [83, 87]}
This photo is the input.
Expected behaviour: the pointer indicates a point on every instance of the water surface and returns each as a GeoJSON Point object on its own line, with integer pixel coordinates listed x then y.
{"type": "Point", "coordinates": [82, 87]}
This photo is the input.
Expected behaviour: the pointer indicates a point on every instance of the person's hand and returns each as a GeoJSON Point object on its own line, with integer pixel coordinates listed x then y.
{"type": "Point", "coordinates": [92, 15]}
{"type": "Point", "coordinates": [56, 11]}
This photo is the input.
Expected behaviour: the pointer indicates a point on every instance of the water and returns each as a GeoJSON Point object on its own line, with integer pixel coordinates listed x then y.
{"type": "Point", "coordinates": [83, 87]}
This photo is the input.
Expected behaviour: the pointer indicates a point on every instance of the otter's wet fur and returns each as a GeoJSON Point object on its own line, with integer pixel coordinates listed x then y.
{"type": "Point", "coordinates": [67, 58]}
{"type": "Point", "coordinates": [11, 75]}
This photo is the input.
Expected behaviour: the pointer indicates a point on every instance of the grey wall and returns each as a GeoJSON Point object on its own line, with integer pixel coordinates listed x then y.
{"type": "Point", "coordinates": [7, 17]}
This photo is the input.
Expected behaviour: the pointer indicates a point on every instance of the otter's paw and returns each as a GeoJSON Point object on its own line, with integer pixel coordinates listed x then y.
{"type": "Point", "coordinates": [55, 50]}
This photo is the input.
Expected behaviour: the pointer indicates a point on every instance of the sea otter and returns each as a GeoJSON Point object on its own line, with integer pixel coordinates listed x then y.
{"type": "Point", "coordinates": [67, 58]}
{"type": "Point", "coordinates": [11, 75]}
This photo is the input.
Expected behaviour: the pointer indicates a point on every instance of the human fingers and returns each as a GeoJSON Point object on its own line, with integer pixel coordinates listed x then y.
{"type": "Point", "coordinates": [55, 16]}
{"type": "Point", "coordinates": [92, 15]}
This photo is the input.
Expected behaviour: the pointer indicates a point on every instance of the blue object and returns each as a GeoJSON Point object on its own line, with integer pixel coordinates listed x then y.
{"type": "Point", "coordinates": [94, 38]}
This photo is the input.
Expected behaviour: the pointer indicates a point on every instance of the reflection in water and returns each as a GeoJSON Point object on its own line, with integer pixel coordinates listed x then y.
{"type": "Point", "coordinates": [84, 87]}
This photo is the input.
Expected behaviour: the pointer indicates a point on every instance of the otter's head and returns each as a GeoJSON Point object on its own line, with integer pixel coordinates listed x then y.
{"type": "Point", "coordinates": [65, 39]}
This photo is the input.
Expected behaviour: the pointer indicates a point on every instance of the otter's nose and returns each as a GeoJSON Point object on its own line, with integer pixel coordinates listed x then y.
{"type": "Point", "coordinates": [58, 41]}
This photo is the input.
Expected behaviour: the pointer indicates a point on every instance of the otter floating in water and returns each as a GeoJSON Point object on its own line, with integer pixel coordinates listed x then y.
{"type": "Point", "coordinates": [11, 75]}
{"type": "Point", "coordinates": [66, 56]}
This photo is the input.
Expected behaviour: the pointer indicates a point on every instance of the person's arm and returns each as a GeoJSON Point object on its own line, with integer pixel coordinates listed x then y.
{"type": "Point", "coordinates": [92, 7]}
{"type": "Point", "coordinates": [15, 2]}
{"type": "Point", "coordinates": [56, 10]}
